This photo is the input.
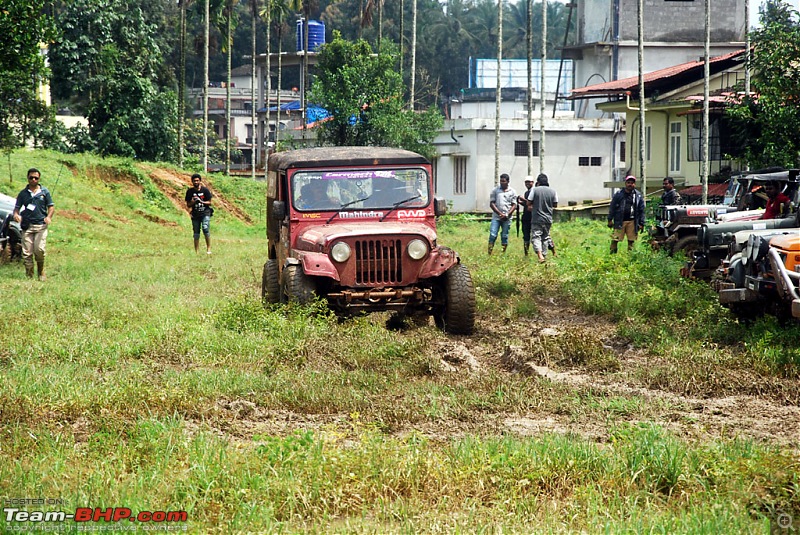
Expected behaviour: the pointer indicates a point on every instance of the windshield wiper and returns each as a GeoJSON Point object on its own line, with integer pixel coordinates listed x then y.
{"type": "Point", "coordinates": [345, 205]}
{"type": "Point", "coordinates": [398, 203]}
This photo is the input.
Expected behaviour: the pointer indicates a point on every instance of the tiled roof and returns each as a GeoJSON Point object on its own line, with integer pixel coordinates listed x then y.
{"type": "Point", "coordinates": [714, 190]}
{"type": "Point", "coordinates": [656, 79]}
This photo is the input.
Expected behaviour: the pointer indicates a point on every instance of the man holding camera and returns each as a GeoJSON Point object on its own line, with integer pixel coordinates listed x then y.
{"type": "Point", "coordinates": [198, 200]}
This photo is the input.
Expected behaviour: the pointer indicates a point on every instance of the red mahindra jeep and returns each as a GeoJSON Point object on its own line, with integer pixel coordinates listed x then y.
{"type": "Point", "coordinates": [357, 226]}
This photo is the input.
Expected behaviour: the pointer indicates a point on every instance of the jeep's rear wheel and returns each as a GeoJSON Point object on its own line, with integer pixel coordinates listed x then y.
{"type": "Point", "coordinates": [457, 316]}
{"type": "Point", "coordinates": [270, 283]}
{"type": "Point", "coordinates": [297, 286]}
{"type": "Point", "coordinates": [687, 245]}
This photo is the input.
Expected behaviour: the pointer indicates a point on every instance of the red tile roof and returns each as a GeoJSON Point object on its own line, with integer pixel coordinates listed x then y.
{"type": "Point", "coordinates": [618, 87]}
{"type": "Point", "coordinates": [714, 190]}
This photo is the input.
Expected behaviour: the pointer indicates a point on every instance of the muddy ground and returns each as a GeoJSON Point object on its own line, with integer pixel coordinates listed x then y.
{"type": "Point", "coordinates": [765, 418]}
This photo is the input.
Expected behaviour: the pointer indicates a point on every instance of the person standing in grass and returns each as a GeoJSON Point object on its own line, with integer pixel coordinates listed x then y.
{"type": "Point", "coordinates": [670, 196]}
{"type": "Point", "coordinates": [526, 214]}
{"type": "Point", "coordinates": [626, 214]}
{"type": "Point", "coordinates": [503, 202]}
{"type": "Point", "coordinates": [542, 200]}
{"type": "Point", "coordinates": [34, 211]}
{"type": "Point", "coordinates": [198, 200]}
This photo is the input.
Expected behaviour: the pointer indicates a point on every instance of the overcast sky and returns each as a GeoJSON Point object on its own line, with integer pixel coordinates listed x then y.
{"type": "Point", "coordinates": [755, 5]}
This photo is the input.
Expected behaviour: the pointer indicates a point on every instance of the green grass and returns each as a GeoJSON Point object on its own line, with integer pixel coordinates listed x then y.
{"type": "Point", "coordinates": [141, 375]}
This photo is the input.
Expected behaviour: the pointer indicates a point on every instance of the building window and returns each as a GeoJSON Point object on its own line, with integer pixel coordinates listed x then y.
{"type": "Point", "coordinates": [583, 161]}
{"type": "Point", "coordinates": [521, 148]}
{"type": "Point", "coordinates": [675, 148]}
{"type": "Point", "coordinates": [460, 175]}
{"type": "Point", "coordinates": [622, 148]}
{"type": "Point", "coordinates": [597, 161]}
{"type": "Point", "coordinates": [648, 130]}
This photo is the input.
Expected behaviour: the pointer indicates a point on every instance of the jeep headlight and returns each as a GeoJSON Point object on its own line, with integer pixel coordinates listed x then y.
{"type": "Point", "coordinates": [417, 249]}
{"type": "Point", "coordinates": [340, 252]}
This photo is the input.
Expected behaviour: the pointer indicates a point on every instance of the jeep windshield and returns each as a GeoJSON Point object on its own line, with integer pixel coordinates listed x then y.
{"type": "Point", "coordinates": [359, 189]}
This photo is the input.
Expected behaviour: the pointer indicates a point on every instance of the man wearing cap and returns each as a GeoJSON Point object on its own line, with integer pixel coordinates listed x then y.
{"type": "Point", "coordinates": [626, 214]}
{"type": "Point", "coordinates": [526, 214]}
{"type": "Point", "coordinates": [542, 200]}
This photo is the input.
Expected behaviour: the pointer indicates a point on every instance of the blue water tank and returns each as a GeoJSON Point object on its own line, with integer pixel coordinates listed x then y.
{"type": "Point", "coordinates": [316, 35]}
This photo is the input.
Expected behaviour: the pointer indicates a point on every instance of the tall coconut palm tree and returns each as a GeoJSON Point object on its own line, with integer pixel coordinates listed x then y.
{"type": "Point", "coordinates": [182, 82]}
{"type": "Point", "coordinates": [206, 33]}
{"type": "Point", "coordinates": [230, 16]}
{"type": "Point", "coordinates": [254, 86]}
{"type": "Point", "coordinates": [413, 73]}
{"type": "Point", "coordinates": [498, 94]}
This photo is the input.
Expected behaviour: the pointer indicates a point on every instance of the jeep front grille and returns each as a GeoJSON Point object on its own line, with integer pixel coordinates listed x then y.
{"type": "Point", "coordinates": [379, 262]}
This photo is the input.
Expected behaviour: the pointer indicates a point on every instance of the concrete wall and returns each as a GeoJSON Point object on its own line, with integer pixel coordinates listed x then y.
{"type": "Point", "coordinates": [664, 20]}
{"type": "Point", "coordinates": [566, 140]}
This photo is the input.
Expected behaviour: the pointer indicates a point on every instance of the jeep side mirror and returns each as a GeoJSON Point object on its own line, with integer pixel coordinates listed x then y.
{"type": "Point", "coordinates": [278, 210]}
{"type": "Point", "coordinates": [439, 206]}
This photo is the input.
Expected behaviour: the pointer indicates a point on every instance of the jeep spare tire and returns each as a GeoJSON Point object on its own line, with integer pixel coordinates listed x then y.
{"type": "Point", "coordinates": [457, 316]}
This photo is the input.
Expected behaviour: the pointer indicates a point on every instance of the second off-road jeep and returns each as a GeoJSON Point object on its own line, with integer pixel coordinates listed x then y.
{"type": "Point", "coordinates": [357, 227]}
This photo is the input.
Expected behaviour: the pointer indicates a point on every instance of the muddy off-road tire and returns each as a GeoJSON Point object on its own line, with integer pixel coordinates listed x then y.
{"type": "Point", "coordinates": [686, 245]}
{"type": "Point", "coordinates": [297, 286]}
{"type": "Point", "coordinates": [458, 314]}
{"type": "Point", "coordinates": [270, 284]}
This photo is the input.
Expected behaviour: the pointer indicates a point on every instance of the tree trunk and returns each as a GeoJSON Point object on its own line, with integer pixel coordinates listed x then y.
{"type": "Point", "coordinates": [268, 4]}
{"type": "Point", "coordinates": [413, 54]}
{"type": "Point", "coordinates": [228, 92]}
{"type": "Point", "coordinates": [253, 88]}
{"type": "Point", "coordinates": [205, 84]}
{"type": "Point", "coordinates": [498, 93]}
{"type": "Point", "coordinates": [529, 45]}
{"type": "Point", "coordinates": [542, 89]}
{"type": "Point", "coordinates": [182, 85]}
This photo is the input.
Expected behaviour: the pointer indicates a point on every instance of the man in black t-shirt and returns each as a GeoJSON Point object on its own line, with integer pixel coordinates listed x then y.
{"type": "Point", "coordinates": [34, 211]}
{"type": "Point", "coordinates": [198, 200]}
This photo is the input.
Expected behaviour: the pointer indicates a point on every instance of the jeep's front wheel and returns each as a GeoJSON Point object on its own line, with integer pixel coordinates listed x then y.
{"type": "Point", "coordinates": [457, 315]}
{"type": "Point", "coordinates": [688, 245]}
{"type": "Point", "coordinates": [297, 286]}
{"type": "Point", "coordinates": [270, 283]}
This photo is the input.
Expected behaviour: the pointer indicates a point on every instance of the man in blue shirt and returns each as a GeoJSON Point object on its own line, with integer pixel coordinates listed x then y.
{"type": "Point", "coordinates": [34, 211]}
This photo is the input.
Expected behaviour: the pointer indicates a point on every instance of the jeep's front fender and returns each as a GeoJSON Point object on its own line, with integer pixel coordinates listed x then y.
{"type": "Point", "coordinates": [440, 260]}
{"type": "Point", "coordinates": [315, 264]}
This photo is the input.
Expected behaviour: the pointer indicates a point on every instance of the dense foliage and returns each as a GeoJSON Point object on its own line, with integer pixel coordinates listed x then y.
{"type": "Point", "coordinates": [23, 27]}
{"type": "Point", "coordinates": [768, 124]}
{"type": "Point", "coordinates": [364, 94]}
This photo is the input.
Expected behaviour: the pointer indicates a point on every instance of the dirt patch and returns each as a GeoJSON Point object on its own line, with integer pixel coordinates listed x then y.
{"type": "Point", "coordinates": [111, 175]}
{"type": "Point", "coordinates": [613, 396]}
{"type": "Point", "coordinates": [174, 185]}
{"type": "Point", "coordinates": [72, 214]}
{"type": "Point", "coordinates": [108, 215]}
{"type": "Point", "coordinates": [156, 219]}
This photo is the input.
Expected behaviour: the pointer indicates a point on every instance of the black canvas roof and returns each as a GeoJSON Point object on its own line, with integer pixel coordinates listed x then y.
{"type": "Point", "coordinates": [343, 156]}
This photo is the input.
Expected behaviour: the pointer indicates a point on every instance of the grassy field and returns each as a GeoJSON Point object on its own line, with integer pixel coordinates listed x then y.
{"type": "Point", "coordinates": [599, 393]}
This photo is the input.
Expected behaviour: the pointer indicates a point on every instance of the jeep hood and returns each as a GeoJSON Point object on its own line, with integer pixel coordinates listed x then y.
{"type": "Point", "coordinates": [318, 237]}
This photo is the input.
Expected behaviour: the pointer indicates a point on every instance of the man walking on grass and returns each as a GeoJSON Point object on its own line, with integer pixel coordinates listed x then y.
{"type": "Point", "coordinates": [34, 211]}
{"type": "Point", "coordinates": [542, 200]}
{"type": "Point", "coordinates": [198, 200]}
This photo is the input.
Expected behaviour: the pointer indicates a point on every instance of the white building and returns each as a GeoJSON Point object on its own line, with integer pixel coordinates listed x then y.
{"type": "Point", "coordinates": [579, 153]}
